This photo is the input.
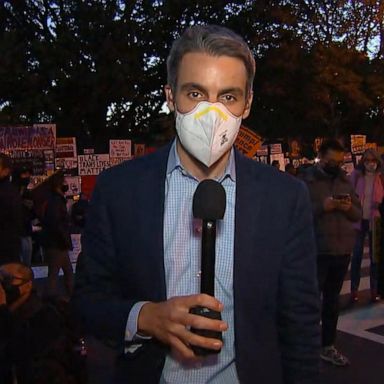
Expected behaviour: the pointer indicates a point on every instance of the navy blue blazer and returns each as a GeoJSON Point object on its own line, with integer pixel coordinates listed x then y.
{"type": "Point", "coordinates": [276, 300]}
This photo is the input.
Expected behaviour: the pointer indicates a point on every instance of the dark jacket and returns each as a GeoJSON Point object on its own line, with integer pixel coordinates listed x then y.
{"type": "Point", "coordinates": [39, 344]}
{"type": "Point", "coordinates": [10, 222]}
{"type": "Point", "coordinates": [335, 233]}
{"type": "Point", "coordinates": [56, 224]}
{"type": "Point", "coordinates": [276, 301]}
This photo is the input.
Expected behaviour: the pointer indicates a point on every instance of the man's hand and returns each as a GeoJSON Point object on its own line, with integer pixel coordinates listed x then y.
{"type": "Point", "coordinates": [330, 204]}
{"type": "Point", "coordinates": [344, 205]}
{"type": "Point", "coordinates": [169, 322]}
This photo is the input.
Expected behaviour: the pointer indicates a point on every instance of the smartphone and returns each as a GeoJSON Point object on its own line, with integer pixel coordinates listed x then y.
{"type": "Point", "coordinates": [342, 196]}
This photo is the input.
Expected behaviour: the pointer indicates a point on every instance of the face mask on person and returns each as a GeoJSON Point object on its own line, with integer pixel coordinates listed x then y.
{"type": "Point", "coordinates": [370, 166]}
{"type": "Point", "coordinates": [65, 188]}
{"type": "Point", "coordinates": [25, 181]}
{"type": "Point", "coordinates": [331, 169]}
{"type": "Point", "coordinates": [12, 293]}
{"type": "Point", "coordinates": [208, 131]}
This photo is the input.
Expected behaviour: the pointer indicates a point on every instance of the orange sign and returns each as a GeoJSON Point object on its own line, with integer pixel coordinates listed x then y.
{"type": "Point", "coordinates": [248, 142]}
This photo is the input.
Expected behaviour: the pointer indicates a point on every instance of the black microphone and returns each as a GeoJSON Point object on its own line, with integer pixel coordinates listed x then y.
{"type": "Point", "coordinates": [209, 203]}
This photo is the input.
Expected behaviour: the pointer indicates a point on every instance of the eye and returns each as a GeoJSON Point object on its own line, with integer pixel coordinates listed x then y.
{"type": "Point", "coordinates": [194, 95]}
{"type": "Point", "coordinates": [228, 98]}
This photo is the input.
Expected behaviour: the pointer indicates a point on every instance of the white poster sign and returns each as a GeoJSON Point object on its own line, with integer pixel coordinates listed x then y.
{"type": "Point", "coordinates": [120, 148]}
{"type": "Point", "coordinates": [92, 164]}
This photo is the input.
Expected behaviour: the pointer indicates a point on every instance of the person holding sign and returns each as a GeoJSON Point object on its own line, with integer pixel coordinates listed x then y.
{"type": "Point", "coordinates": [369, 186]}
{"type": "Point", "coordinates": [139, 285]}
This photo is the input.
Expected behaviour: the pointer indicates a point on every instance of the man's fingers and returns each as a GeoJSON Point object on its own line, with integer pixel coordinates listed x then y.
{"type": "Point", "coordinates": [202, 300]}
{"type": "Point", "coordinates": [181, 350]}
{"type": "Point", "coordinates": [189, 338]}
{"type": "Point", "coordinates": [201, 322]}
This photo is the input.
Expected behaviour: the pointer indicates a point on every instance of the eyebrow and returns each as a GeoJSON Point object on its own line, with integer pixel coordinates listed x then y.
{"type": "Point", "coordinates": [235, 90]}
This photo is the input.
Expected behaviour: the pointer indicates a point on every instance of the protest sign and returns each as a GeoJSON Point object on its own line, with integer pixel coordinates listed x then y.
{"type": "Point", "coordinates": [76, 247]}
{"type": "Point", "coordinates": [358, 144]}
{"type": "Point", "coordinates": [92, 164]}
{"type": "Point", "coordinates": [276, 149]}
{"type": "Point", "coordinates": [348, 168]}
{"type": "Point", "coordinates": [262, 151]}
{"type": "Point", "coordinates": [371, 146]}
{"type": "Point", "coordinates": [117, 160]}
{"type": "Point", "coordinates": [280, 158]}
{"type": "Point", "coordinates": [88, 151]}
{"type": "Point", "coordinates": [27, 137]}
{"type": "Point", "coordinates": [31, 159]}
{"type": "Point", "coordinates": [120, 148]}
{"type": "Point", "coordinates": [139, 150]}
{"type": "Point", "coordinates": [248, 142]}
{"type": "Point", "coordinates": [74, 185]}
{"type": "Point", "coordinates": [66, 164]}
{"type": "Point", "coordinates": [66, 148]}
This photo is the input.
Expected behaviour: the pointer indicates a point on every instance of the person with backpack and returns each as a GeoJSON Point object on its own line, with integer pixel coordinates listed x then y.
{"type": "Point", "coordinates": [369, 186]}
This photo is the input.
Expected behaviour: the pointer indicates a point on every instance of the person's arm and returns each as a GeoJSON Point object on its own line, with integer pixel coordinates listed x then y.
{"type": "Point", "coordinates": [97, 293]}
{"type": "Point", "coordinates": [298, 301]}
{"type": "Point", "coordinates": [111, 317]}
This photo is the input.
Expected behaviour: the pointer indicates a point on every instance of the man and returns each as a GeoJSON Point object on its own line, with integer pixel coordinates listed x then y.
{"type": "Point", "coordinates": [10, 214]}
{"type": "Point", "coordinates": [21, 179]}
{"type": "Point", "coordinates": [57, 238]}
{"type": "Point", "coordinates": [140, 272]}
{"type": "Point", "coordinates": [336, 208]}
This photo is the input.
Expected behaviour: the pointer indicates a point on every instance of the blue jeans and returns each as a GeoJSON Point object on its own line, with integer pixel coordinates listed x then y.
{"type": "Point", "coordinates": [357, 257]}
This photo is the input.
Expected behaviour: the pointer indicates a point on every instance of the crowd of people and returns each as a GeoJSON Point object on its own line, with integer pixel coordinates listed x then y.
{"type": "Point", "coordinates": [41, 338]}
{"type": "Point", "coordinates": [285, 246]}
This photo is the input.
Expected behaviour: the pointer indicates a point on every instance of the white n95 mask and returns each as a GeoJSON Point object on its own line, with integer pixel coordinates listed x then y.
{"type": "Point", "coordinates": [208, 131]}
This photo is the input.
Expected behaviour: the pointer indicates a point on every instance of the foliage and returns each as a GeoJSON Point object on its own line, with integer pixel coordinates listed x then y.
{"type": "Point", "coordinates": [97, 67]}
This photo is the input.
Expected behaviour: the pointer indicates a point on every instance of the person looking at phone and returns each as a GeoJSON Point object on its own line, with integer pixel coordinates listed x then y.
{"type": "Point", "coordinates": [335, 208]}
{"type": "Point", "coordinates": [369, 186]}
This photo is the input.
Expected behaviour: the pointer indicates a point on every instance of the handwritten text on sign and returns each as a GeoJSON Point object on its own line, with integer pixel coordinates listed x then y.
{"type": "Point", "coordinates": [92, 164]}
{"type": "Point", "coordinates": [28, 137]}
{"type": "Point", "coordinates": [120, 148]}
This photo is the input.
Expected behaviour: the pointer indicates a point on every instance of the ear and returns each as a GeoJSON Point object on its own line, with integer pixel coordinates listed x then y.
{"type": "Point", "coordinates": [248, 105]}
{"type": "Point", "coordinates": [169, 97]}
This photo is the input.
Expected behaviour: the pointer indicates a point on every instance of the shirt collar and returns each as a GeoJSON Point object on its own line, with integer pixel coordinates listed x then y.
{"type": "Point", "coordinates": [175, 163]}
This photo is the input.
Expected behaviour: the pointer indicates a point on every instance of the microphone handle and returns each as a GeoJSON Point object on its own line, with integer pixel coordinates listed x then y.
{"type": "Point", "coordinates": [207, 285]}
{"type": "Point", "coordinates": [208, 256]}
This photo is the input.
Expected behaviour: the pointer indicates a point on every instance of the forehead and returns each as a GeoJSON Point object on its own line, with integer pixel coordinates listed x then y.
{"type": "Point", "coordinates": [213, 72]}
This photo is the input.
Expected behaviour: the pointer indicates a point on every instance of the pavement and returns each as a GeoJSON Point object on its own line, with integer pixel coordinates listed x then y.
{"type": "Point", "coordinates": [360, 337]}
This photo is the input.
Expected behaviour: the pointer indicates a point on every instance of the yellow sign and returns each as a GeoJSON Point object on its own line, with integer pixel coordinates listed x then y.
{"type": "Point", "coordinates": [248, 142]}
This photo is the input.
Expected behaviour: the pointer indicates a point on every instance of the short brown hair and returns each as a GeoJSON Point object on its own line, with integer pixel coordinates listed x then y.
{"type": "Point", "coordinates": [214, 40]}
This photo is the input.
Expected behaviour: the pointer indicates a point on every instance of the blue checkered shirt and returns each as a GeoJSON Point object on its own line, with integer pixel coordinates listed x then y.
{"type": "Point", "coordinates": [182, 252]}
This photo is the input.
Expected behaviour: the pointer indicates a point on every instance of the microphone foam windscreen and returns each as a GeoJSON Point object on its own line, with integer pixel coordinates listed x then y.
{"type": "Point", "coordinates": [209, 201]}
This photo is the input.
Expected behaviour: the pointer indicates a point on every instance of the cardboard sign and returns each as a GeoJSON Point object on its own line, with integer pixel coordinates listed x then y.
{"type": "Point", "coordinates": [358, 144]}
{"type": "Point", "coordinates": [248, 142]}
{"type": "Point", "coordinates": [120, 148]}
{"type": "Point", "coordinates": [280, 158]}
{"type": "Point", "coordinates": [371, 146]}
{"type": "Point", "coordinates": [118, 160]}
{"type": "Point", "coordinates": [33, 159]}
{"type": "Point", "coordinates": [76, 247]}
{"type": "Point", "coordinates": [66, 148]}
{"type": "Point", "coordinates": [276, 149]}
{"type": "Point", "coordinates": [139, 150]}
{"type": "Point", "coordinates": [74, 185]}
{"type": "Point", "coordinates": [66, 164]}
{"type": "Point", "coordinates": [88, 151]}
{"type": "Point", "coordinates": [28, 137]}
{"type": "Point", "coordinates": [262, 151]}
{"type": "Point", "coordinates": [92, 164]}
{"type": "Point", "coordinates": [348, 168]}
